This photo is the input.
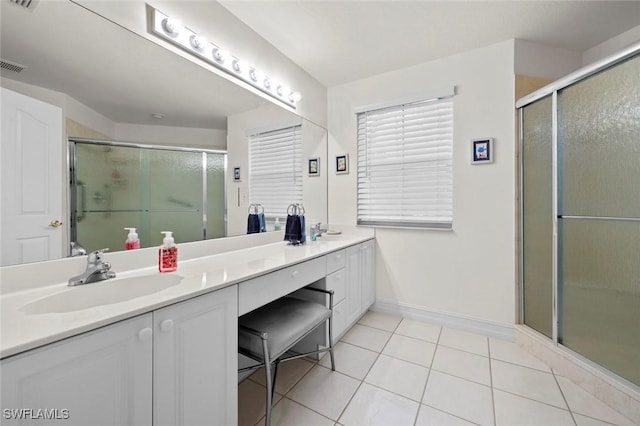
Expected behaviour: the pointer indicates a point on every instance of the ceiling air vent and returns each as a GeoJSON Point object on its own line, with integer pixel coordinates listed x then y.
{"type": "Point", "coordinates": [27, 4]}
{"type": "Point", "coordinates": [11, 66]}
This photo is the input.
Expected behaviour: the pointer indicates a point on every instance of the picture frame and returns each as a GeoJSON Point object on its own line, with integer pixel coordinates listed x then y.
{"type": "Point", "coordinates": [342, 164]}
{"type": "Point", "coordinates": [236, 174]}
{"type": "Point", "coordinates": [314, 166]}
{"type": "Point", "coordinates": [482, 151]}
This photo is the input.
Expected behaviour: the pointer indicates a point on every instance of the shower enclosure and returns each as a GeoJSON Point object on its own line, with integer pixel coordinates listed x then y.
{"type": "Point", "coordinates": [580, 213]}
{"type": "Point", "coordinates": [152, 188]}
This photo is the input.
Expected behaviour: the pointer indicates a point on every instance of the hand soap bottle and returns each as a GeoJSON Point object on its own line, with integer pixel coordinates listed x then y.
{"type": "Point", "coordinates": [168, 253]}
{"type": "Point", "coordinates": [276, 225]}
{"type": "Point", "coordinates": [133, 242]}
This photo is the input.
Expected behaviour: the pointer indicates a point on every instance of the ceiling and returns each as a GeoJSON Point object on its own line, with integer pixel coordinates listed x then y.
{"type": "Point", "coordinates": [342, 41]}
{"type": "Point", "coordinates": [69, 49]}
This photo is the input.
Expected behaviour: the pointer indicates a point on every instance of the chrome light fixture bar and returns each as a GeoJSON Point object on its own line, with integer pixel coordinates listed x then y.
{"type": "Point", "coordinates": [173, 31]}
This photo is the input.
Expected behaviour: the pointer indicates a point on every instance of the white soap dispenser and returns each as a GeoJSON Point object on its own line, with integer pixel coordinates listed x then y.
{"type": "Point", "coordinates": [133, 242]}
{"type": "Point", "coordinates": [168, 253]}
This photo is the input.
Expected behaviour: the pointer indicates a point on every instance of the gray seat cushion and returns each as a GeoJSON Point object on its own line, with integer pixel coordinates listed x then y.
{"type": "Point", "coordinates": [284, 320]}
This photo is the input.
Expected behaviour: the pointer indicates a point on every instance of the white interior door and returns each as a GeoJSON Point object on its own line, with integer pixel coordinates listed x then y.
{"type": "Point", "coordinates": [31, 157]}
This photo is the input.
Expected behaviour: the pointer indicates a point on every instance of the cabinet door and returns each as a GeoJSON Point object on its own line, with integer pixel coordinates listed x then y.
{"type": "Point", "coordinates": [368, 256]}
{"type": "Point", "coordinates": [354, 285]}
{"type": "Point", "coordinates": [196, 361]}
{"type": "Point", "coordinates": [339, 320]}
{"type": "Point", "coordinates": [102, 377]}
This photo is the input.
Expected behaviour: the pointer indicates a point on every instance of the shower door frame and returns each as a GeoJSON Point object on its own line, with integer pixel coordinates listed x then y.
{"type": "Point", "coordinates": [73, 178]}
{"type": "Point", "coordinates": [552, 90]}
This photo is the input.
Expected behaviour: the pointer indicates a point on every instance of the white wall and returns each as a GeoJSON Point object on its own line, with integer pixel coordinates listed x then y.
{"type": "Point", "coordinates": [174, 136]}
{"type": "Point", "coordinates": [470, 271]}
{"type": "Point", "coordinates": [538, 60]}
{"type": "Point", "coordinates": [611, 46]}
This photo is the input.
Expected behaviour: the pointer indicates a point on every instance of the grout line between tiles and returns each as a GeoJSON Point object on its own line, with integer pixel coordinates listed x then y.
{"type": "Point", "coordinates": [308, 408]}
{"type": "Point", "coordinates": [372, 364]}
{"type": "Point", "coordinates": [493, 400]}
{"type": "Point", "coordinates": [428, 376]}
{"type": "Point", "coordinates": [534, 400]}
{"type": "Point", "coordinates": [450, 414]}
{"type": "Point", "coordinates": [564, 398]}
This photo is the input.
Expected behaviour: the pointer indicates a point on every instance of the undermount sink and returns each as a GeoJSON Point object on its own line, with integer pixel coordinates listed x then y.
{"type": "Point", "coordinates": [101, 293]}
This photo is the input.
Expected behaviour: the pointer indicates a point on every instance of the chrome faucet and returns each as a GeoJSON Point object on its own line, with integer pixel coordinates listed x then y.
{"type": "Point", "coordinates": [97, 270]}
{"type": "Point", "coordinates": [317, 230]}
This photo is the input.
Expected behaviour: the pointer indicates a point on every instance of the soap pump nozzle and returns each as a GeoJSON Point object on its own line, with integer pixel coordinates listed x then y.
{"type": "Point", "coordinates": [132, 242]}
{"type": "Point", "coordinates": [132, 234]}
{"type": "Point", "coordinates": [168, 240]}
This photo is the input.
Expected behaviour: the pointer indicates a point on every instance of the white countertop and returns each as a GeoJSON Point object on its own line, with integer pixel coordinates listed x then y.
{"type": "Point", "coordinates": [28, 318]}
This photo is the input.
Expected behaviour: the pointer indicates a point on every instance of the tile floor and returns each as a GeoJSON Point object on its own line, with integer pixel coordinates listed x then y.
{"type": "Point", "coordinates": [392, 372]}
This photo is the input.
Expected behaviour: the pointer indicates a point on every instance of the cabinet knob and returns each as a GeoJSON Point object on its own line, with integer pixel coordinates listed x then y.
{"type": "Point", "coordinates": [295, 273]}
{"type": "Point", "coordinates": [166, 325]}
{"type": "Point", "coordinates": [145, 334]}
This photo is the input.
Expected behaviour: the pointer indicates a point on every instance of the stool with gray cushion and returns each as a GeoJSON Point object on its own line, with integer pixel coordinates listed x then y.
{"type": "Point", "coordinates": [268, 333]}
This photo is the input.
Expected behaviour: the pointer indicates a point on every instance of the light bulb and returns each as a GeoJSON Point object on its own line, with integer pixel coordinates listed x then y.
{"type": "Point", "coordinates": [267, 83]}
{"type": "Point", "coordinates": [198, 42]}
{"type": "Point", "coordinates": [295, 97]}
{"type": "Point", "coordinates": [236, 65]}
{"type": "Point", "coordinates": [280, 90]}
{"type": "Point", "coordinates": [219, 55]}
{"type": "Point", "coordinates": [172, 26]}
{"type": "Point", "coordinates": [254, 75]}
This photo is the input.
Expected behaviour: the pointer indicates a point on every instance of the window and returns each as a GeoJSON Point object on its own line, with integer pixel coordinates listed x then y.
{"type": "Point", "coordinates": [405, 165]}
{"type": "Point", "coordinates": [275, 169]}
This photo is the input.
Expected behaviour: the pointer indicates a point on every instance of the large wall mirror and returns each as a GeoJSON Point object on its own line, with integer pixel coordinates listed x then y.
{"type": "Point", "coordinates": [112, 85]}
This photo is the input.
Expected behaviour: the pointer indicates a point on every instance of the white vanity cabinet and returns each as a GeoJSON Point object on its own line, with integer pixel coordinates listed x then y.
{"type": "Point", "coordinates": [174, 366]}
{"type": "Point", "coordinates": [360, 271]}
{"type": "Point", "coordinates": [354, 283]}
{"type": "Point", "coordinates": [350, 274]}
{"type": "Point", "coordinates": [102, 377]}
{"type": "Point", "coordinates": [367, 273]}
{"type": "Point", "coordinates": [196, 361]}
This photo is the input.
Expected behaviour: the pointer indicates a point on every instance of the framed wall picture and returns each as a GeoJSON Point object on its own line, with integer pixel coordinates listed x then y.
{"type": "Point", "coordinates": [314, 167]}
{"type": "Point", "coordinates": [236, 174]}
{"type": "Point", "coordinates": [342, 164]}
{"type": "Point", "coordinates": [482, 151]}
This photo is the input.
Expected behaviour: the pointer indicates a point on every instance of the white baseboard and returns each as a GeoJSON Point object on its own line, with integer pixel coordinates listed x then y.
{"type": "Point", "coordinates": [475, 325]}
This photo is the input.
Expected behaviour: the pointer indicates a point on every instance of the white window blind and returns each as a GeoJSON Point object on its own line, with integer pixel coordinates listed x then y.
{"type": "Point", "coordinates": [275, 170]}
{"type": "Point", "coordinates": [405, 174]}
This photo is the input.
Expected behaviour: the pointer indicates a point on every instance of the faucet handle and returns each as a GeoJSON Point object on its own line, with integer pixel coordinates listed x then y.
{"type": "Point", "coordinates": [96, 255]}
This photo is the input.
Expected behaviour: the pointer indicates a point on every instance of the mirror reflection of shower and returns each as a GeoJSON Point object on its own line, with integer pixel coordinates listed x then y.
{"type": "Point", "coordinates": [152, 188]}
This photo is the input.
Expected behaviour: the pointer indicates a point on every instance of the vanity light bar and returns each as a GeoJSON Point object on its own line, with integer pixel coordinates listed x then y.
{"type": "Point", "coordinates": [176, 33]}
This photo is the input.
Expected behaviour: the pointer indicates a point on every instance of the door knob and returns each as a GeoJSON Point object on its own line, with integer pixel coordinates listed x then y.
{"type": "Point", "coordinates": [55, 223]}
{"type": "Point", "coordinates": [166, 325]}
{"type": "Point", "coordinates": [145, 334]}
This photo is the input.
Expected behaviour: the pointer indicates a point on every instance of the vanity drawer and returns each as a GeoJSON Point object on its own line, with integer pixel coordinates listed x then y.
{"type": "Point", "coordinates": [336, 282]}
{"type": "Point", "coordinates": [261, 290]}
{"type": "Point", "coordinates": [336, 260]}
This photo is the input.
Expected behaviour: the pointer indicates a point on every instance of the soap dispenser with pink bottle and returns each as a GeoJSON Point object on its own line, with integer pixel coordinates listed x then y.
{"type": "Point", "coordinates": [168, 253]}
{"type": "Point", "coordinates": [132, 242]}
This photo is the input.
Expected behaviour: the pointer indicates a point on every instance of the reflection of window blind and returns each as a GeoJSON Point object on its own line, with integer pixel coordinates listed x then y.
{"type": "Point", "coordinates": [405, 165]}
{"type": "Point", "coordinates": [275, 170]}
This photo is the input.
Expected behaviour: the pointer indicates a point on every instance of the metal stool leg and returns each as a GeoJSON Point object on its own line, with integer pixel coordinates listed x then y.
{"type": "Point", "coordinates": [267, 370]}
{"type": "Point", "coordinates": [275, 374]}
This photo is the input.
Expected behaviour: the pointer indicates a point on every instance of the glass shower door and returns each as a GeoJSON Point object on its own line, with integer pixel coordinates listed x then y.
{"type": "Point", "coordinates": [108, 192]}
{"type": "Point", "coordinates": [174, 195]}
{"type": "Point", "coordinates": [599, 218]}
{"type": "Point", "coordinates": [537, 216]}
{"type": "Point", "coordinates": [150, 188]}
